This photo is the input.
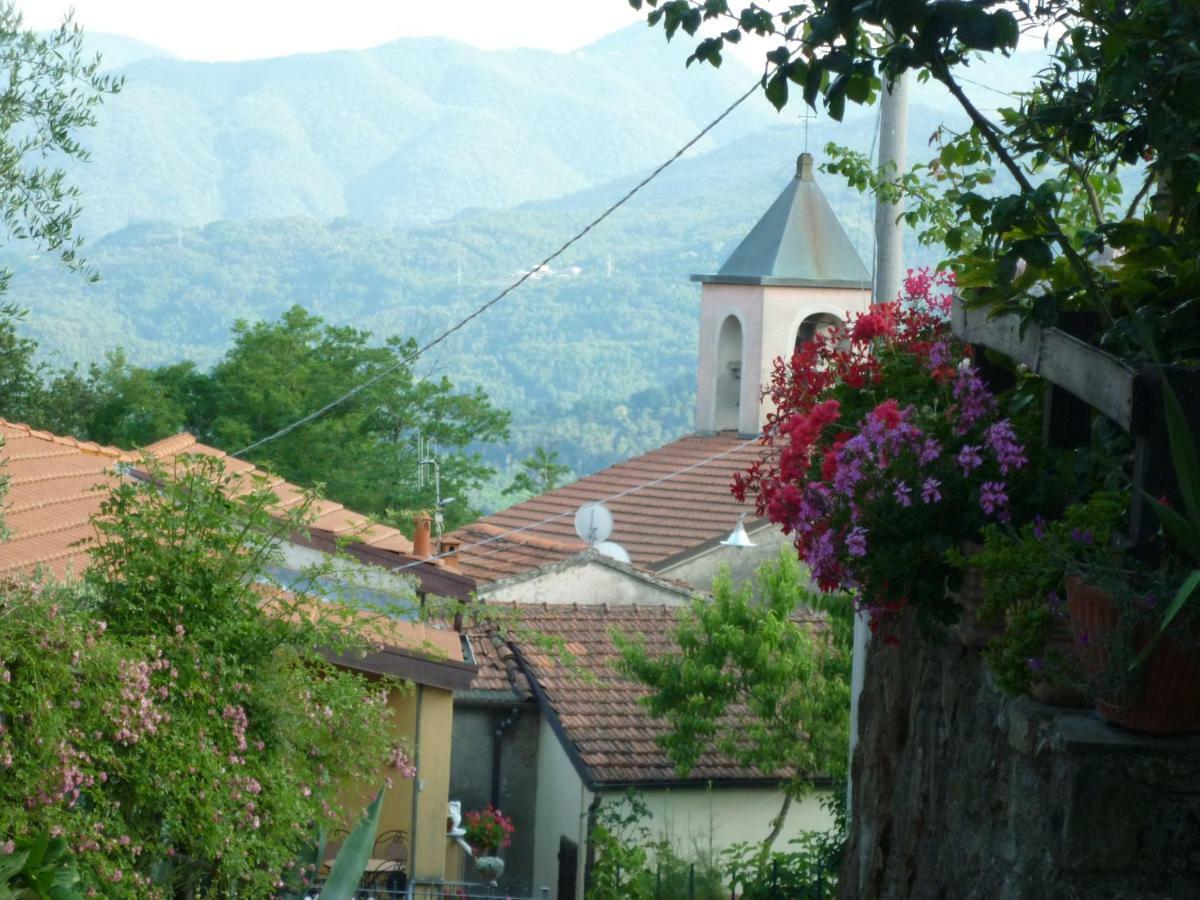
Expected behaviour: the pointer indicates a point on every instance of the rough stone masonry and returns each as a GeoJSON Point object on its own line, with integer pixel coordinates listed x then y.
{"type": "Point", "coordinates": [963, 793]}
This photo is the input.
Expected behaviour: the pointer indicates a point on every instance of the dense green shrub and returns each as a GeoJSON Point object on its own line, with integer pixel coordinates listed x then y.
{"type": "Point", "coordinates": [172, 719]}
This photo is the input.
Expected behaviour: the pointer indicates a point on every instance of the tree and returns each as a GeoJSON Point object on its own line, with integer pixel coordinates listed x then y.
{"type": "Point", "coordinates": [364, 451]}
{"type": "Point", "coordinates": [540, 473]}
{"type": "Point", "coordinates": [21, 390]}
{"type": "Point", "coordinates": [50, 93]}
{"type": "Point", "coordinates": [1119, 92]}
{"type": "Point", "coordinates": [754, 683]}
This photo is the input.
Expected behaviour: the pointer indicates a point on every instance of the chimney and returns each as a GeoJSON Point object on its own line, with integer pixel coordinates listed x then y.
{"type": "Point", "coordinates": [448, 551]}
{"type": "Point", "coordinates": [421, 546]}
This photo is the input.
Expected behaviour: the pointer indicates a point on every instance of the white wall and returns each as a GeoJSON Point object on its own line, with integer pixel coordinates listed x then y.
{"type": "Point", "coordinates": [586, 582]}
{"type": "Point", "coordinates": [770, 318]}
{"type": "Point", "coordinates": [562, 803]}
{"type": "Point", "coordinates": [713, 819]}
{"type": "Point", "coordinates": [743, 562]}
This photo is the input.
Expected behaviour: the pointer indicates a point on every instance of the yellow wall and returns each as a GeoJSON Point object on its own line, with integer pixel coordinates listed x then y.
{"type": "Point", "coordinates": [422, 717]}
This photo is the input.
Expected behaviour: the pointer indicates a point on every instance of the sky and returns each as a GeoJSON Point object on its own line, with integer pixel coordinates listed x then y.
{"type": "Point", "coordinates": [251, 29]}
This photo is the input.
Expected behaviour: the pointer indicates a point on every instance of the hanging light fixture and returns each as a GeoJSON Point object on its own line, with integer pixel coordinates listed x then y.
{"type": "Point", "coordinates": [738, 537]}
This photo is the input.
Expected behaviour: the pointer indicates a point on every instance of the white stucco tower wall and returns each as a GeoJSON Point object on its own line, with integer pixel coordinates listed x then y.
{"type": "Point", "coordinates": [795, 272]}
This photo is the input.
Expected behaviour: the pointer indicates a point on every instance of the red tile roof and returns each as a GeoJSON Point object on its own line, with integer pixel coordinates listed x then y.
{"type": "Point", "coordinates": [595, 709]}
{"type": "Point", "coordinates": [55, 485]}
{"type": "Point", "coordinates": [653, 523]}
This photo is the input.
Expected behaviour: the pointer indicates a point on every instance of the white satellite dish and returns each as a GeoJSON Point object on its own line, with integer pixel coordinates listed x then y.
{"type": "Point", "coordinates": [593, 523]}
{"type": "Point", "coordinates": [613, 550]}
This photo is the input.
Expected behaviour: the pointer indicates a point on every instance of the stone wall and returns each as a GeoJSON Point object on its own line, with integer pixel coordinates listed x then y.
{"type": "Point", "coordinates": [961, 793]}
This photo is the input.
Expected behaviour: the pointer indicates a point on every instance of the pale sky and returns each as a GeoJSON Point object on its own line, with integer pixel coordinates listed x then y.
{"type": "Point", "coordinates": [248, 29]}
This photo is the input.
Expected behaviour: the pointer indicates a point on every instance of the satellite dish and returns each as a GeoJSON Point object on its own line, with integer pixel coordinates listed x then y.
{"type": "Point", "coordinates": [613, 550]}
{"type": "Point", "coordinates": [593, 523]}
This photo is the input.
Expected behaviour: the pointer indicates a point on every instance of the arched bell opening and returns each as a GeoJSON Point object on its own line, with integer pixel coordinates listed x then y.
{"type": "Point", "coordinates": [817, 323]}
{"type": "Point", "coordinates": [729, 374]}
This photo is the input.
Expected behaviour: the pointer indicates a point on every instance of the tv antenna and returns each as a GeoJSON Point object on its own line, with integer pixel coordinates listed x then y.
{"type": "Point", "coordinates": [429, 471]}
{"type": "Point", "coordinates": [807, 116]}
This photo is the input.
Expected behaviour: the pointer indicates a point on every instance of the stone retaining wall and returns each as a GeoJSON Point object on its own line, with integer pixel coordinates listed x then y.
{"type": "Point", "coordinates": [962, 793]}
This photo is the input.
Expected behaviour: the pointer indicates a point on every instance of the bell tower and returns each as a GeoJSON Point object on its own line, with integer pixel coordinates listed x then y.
{"type": "Point", "coordinates": [794, 274]}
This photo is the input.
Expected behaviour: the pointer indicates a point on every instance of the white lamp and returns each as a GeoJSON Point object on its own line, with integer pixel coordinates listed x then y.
{"type": "Point", "coordinates": [738, 537]}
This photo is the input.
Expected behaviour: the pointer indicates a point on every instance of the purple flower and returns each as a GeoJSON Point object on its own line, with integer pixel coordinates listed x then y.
{"type": "Point", "coordinates": [1053, 598]}
{"type": "Point", "coordinates": [1083, 639]}
{"type": "Point", "coordinates": [930, 490]}
{"type": "Point", "coordinates": [1039, 531]}
{"type": "Point", "coordinates": [903, 494]}
{"type": "Point", "coordinates": [992, 497]}
{"type": "Point", "coordinates": [1150, 600]}
{"type": "Point", "coordinates": [856, 542]}
{"type": "Point", "coordinates": [969, 458]}
{"type": "Point", "coordinates": [1035, 663]}
{"type": "Point", "coordinates": [1003, 442]}
{"type": "Point", "coordinates": [930, 451]}
{"type": "Point", "coordinates": [1081, 537]}
{"type": "Point", "coordinates": [939, 355]}
{"type": "Point", "coordinates": [975, 401]}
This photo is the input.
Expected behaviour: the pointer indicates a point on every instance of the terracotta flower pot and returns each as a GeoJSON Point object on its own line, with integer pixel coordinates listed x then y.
{"type": "Point", "coordinates": [1166, 699]}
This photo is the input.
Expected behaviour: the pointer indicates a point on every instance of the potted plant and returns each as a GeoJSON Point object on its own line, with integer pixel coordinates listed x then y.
{"type": "Point", "coordinates": [488, 831]}
{"type": "Point", "coordinates": [1137, 631]}
{"type": "Point", "coordinates": [1022, 573]}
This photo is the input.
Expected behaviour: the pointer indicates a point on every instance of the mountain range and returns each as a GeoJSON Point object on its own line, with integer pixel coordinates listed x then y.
{"type": "Point", "coordinates": [397, 188]}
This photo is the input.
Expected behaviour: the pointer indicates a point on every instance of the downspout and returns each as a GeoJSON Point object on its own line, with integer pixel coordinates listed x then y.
{"type": "Point", "coordinates": [416, 794]}
{"type": "Point", "coordinates": [589, 856]}
{"type": "Point", "coordinates": [497, 751]}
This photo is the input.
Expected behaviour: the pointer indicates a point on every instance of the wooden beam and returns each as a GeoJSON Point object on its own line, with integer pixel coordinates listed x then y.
{"type": "Point", "coordinates": [1095, 377]}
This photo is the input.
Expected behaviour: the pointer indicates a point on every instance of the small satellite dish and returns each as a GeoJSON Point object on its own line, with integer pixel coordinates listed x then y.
{"type": "Point", "coordinates": [594, 523]}
{"type": "Point", "coordinates": [613, 550]}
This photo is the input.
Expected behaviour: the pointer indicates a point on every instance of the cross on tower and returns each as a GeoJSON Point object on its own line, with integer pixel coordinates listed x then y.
{"type": "Point", "coordinates": [807, 116]}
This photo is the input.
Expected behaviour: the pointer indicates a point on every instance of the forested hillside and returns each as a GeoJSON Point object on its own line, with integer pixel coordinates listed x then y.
{"type": "Point", "coordinates": [339, 182]}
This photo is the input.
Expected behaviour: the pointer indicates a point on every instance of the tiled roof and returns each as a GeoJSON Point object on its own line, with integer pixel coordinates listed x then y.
{"type": "Point", "coordinates": [329, 518]}
{"type": "Point", "coordinates": [55, 485]}
{"type": "Point", "coordinates": [597, 710]}
{"type": "Point", "coordinates": [652, 524]}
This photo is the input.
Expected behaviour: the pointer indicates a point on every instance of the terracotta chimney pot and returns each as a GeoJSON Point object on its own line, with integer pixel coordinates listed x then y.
{"type": "Point", "coordinates": [448, 551]}
{"type": "Point", "coordinates": [421, 542]}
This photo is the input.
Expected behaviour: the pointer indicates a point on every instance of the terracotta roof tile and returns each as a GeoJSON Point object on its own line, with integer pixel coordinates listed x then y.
{"type": "Point", "coordinates": [652, 524]}
{"type": "Point", "coordinates": [598, 709]}
{"type": "Point", "coordinates": [57, 483]}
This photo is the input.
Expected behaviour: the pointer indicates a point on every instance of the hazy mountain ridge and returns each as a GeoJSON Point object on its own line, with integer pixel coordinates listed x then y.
{"type": "Point", "coordinates": [409, 132]}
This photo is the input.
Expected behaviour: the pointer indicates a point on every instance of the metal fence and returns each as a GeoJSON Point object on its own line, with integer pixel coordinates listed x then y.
{"type": "Point", "coordinates": [466, 890]}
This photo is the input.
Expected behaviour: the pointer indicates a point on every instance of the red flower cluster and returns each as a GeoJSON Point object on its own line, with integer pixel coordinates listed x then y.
{"type": "Point", "coordinates": [488, 829]}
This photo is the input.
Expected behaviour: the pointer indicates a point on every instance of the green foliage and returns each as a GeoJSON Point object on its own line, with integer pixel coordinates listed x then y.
{"type": "Point", "coordinates": [633, 864]}
{"type": "Point", "coordinates": [540, 473]}
{"type": "Point", "coordinates": [180, 726]}
{"type": "Point", "coordinates": [758, 872]}
{"type": "Point", "coordinates": [50, 92]}
{"type": "Point", "coordinates": [740, 653]}
{"type": "Point", "coordinates": [1023, 573]}
{"type": "Point", "coordinates": [39, 867]}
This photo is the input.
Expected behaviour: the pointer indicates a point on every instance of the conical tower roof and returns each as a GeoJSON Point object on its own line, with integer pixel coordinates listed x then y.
{"type": "Point", "coordinates": [798, 241]}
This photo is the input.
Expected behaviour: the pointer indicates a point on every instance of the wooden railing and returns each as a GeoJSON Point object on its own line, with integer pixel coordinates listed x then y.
{"type": "Point", "coordinates": [1082, 378]}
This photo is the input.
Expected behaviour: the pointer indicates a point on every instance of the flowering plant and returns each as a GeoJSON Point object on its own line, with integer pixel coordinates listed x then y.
{"type": "Point", "coordinates": [488, 829]}
{"type": "Point", "coordinates": [888, 452]}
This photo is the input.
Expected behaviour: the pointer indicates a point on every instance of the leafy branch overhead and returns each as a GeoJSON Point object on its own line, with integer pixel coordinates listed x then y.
{"type": "Point", "coordinates": [1118, 92]}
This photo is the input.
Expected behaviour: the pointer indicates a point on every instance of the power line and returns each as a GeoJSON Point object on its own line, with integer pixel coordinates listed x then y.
{"type": "Point", "coordinates": [562, 515]}
{"type": "Point", "coordinates": [316, 414]}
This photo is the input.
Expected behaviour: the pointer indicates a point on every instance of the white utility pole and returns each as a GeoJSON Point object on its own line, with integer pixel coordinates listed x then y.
{"type": "Point", "coordinates": [889, 277]}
